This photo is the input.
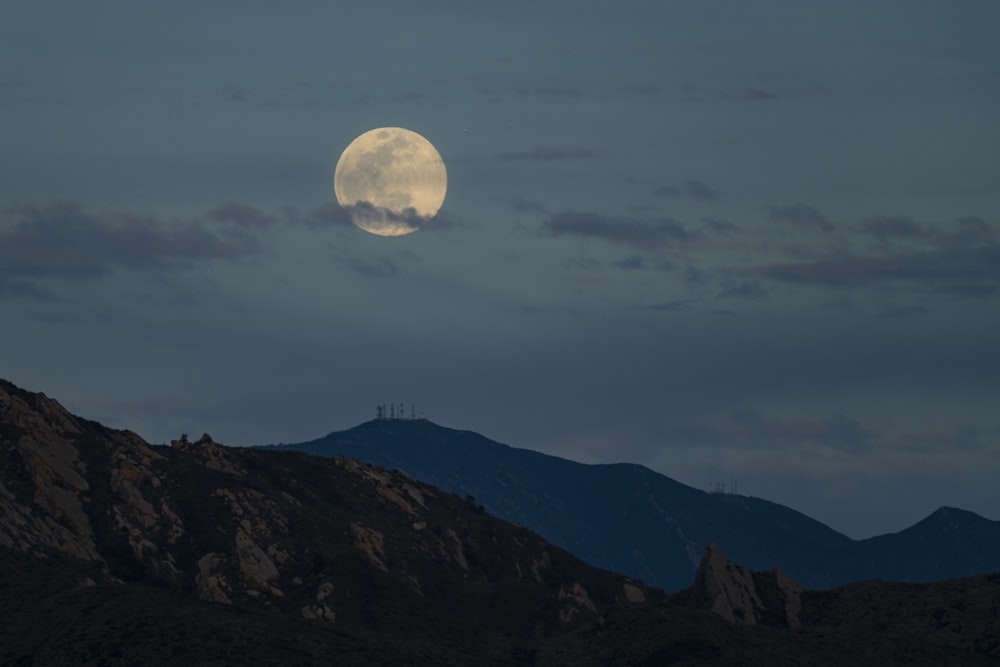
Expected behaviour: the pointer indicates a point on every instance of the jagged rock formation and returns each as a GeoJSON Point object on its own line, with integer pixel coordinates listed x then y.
{"type": "Point", "coordinates": [740, 596]}
{"type": "Point", "coordinates": [725, 589]}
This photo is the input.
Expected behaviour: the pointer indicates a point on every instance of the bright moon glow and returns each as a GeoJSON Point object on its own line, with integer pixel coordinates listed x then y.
{"type": "Point", "coordinates": [391, 180]}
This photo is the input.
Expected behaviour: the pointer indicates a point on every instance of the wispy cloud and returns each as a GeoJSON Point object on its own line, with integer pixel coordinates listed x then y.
{"type": "Point", "coordinates": [242, 215]}
{"type": "Point", "coordinates": [750, 94]}
{"type": "Point", "coordinates": [522, 205]}
{"type": "Point", "coordinates": [902, 312]}
{"type": "Point", "coordinates": [63, 239]}
{"type": "Point", "coordinates": [801, 215]}
{"type": "Point", "coordinates": [377, 267]}
{"type": "Point", "coordinates": [548, 153]}
{"type": "Point", "coordinates": [668, 306]}
{"type": "Point", "coordinates": [642, 89]}
{"type": "Point", "coordinates": [330, 214]}
{"type": "Point", "coordinates": [552, 92]}
{"type": "Point", "coordinates": [968, 267]}
{"type": "Point", "coordinates": [333, 214]}
{"type": "Point", "coordinates": [838, 432]}
{"type": "Point", "coordinates": [639, 263]}
{"type": "Point", "coordinates": [744, 290]}
{"type": "Point", "coordinates": [694, 189]}
{"type": "Point", "coordinates": [722, 227]}
{"type": "Point", "coordinates": [636, 232]}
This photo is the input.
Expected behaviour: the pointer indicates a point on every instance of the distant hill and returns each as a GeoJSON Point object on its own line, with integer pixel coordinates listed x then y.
{"type": "Point", "coordinates": [630, 519]}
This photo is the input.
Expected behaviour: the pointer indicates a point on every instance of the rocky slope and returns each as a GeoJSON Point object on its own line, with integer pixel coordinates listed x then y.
{"type": "Point", "coordinates": [117, 552]}
{"type": "Point", "coordinates": [328, 541]}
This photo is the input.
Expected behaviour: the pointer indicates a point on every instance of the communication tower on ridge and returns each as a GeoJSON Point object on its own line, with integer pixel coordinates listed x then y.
{"type": "Point", "coordinates": [397, 412]}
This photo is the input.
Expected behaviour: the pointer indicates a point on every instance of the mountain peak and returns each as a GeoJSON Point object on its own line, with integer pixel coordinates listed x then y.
{"type": "Point", "coordinates": [954, 516]}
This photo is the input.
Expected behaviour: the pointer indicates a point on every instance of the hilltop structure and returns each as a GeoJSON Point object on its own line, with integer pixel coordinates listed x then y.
{"type": "Point", "coordinates": [396, 412]}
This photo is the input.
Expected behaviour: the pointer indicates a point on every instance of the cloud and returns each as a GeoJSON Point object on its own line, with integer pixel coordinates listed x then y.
{"type": "Point", "coordinates": [638, 263]}
{"type": "Point", "coordinates": [63, 239]}
{"type": "Point", "coordinates": [722, 227]}
{"type": "Point", "coordinates": [18, 289]}
{"type": "Point", "coordinates": [744, 290]}
{"type": "Point", "coordinates": [526, 206]}
{"type": "Point", "coordinates": [330, 214]}
{"type": "Point", "coordinates": [801, 215]}
{"type": "Point", "coordinates": [640, 233]}
{"type": "Point", "coordinates": [838, 432]}
{"type": "Point", "coordinates": [888, 229]}
{"type": "Point", "coordinates": [967, 267]}
{"type": "Point", "coordinates": [631, 263]}
{"type": "Point", "coordinates": [960, 258]}
{"type": "Point", "coordinates": [236, 93]}
{"type": "Point", "coordinates": [378, 267]}
{"type": "Point", "coordinates": [902, 312]}
{"type": "Point", "coordinates": [966, 439]}
{"type": "Point", "coordinates": [550, 92]}
{"type": "Point", "coordinates": [642, 89]}
{"type": "Point", "coordinates": [668, 306]}
{"type": "Point", "coordinates": [700, 191]}
{"type": "Point", "coordinates": [381, 217]}
{"type": "Point", "coordinates": [968, 290]}
{"type": "Point", "coordinates": [408, 97]}
{"type": "Point", "coordinates": [749, 94]}
{"type": "Point", "coordinates": [241, 215]}
{"type": "Point", "coordinates": [694, 189]}
{"type": "Point", "coordinates": [543, 153]}
{"type": "Point", "coordinates": [333, 214]}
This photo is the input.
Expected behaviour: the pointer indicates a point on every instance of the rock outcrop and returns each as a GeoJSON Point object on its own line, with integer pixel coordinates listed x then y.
{"type": "Point", "coordinates": [725, 589]}
{"type": "Point", "coordinates": [790, 593]}
{"type": "Point", "coordinates": [740, 596]}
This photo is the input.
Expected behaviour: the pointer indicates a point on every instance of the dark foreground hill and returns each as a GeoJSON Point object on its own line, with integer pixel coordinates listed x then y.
{"type": "Point", "coordinates": [117, 552]}
{"type": "Point", "coordinates": [630, 519]}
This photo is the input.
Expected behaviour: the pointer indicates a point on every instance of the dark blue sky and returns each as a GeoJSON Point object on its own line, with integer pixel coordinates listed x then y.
{"type": "Point", "coordinates": [722, 239]}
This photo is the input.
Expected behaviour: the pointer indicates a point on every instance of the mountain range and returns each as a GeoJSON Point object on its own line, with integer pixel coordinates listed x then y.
{"type": "Point", "coordinates": [115, 551]}
{"type": "Point", "coordinates": [630, 519]}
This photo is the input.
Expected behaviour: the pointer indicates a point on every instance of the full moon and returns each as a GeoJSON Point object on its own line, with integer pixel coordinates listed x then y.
{"type": "Point", "coordinates": [391, 180]}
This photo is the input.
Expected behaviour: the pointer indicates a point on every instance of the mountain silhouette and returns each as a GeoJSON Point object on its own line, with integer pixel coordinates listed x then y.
{"type": "Point", "coordinates": [115, 551]}
{"type": "Point", "coordinates": [630, 519]}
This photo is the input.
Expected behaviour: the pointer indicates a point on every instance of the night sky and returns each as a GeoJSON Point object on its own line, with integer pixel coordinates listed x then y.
{"type": "Point", "coordinates": [726, 240]}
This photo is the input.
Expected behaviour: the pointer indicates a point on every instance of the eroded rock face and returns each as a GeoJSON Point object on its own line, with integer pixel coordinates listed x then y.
{"type": "Point", "coordinates": [44, 447]}
{"type": "Point", "coordinates": [320, 611]}
{"type": "Point", "coordinates": [146, 521]}
{"type": "Point", "coordinates": [578, 600]}
{"type": "Point", "coordinates": [736, 594]}
{"type": "Point", "coordinates": [212, 454]}
{"type": "Point", "coordinates": [726, 589]}
{"type": "Point", "coordinates": [211, 586]}
{"type": "Point", "coordinates": [371, 543]}
{"type": "Point", "coordinates": [633, 593]}
{"type": "Point", "coordinates": [790, 593]}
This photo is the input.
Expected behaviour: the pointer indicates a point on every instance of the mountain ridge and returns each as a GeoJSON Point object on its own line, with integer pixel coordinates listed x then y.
{"type": "Point", "coordinates": [116, 552]}
{"type": "Point", "coordinates": [565, 500]}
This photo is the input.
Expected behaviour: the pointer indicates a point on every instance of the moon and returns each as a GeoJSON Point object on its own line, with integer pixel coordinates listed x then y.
{"type": "Point", "coordinates": [391, 180]}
